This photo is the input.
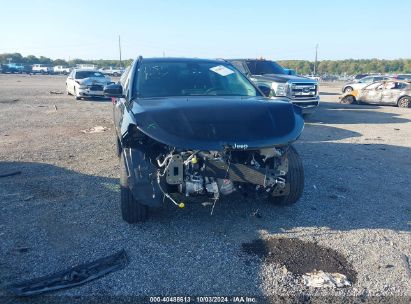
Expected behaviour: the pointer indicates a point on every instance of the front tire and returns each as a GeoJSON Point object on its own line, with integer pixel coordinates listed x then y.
{"type": "Point", "coordinates": [404, 102]}
{"type": "Point", "coordinates": [349, 99]}
{"type": "Point", "coordinates": [295, 177]}
{"type": "Point", "coordinates": [131, 210]}
{"type": "Point", "coordinates": [75, 94]}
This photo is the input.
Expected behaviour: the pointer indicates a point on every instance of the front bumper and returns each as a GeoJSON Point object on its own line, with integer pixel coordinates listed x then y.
{"type": "Point", "coordinates": [90, 93]}
{"type": "Point", "coordinates": [307, 105]}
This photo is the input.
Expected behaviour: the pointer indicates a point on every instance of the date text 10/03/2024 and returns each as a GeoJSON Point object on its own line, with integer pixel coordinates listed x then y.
{"type": "Point", "coordinates": [203, 299]}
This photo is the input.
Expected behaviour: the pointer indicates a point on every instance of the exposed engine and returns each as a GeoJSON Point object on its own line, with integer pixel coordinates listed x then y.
{"type": "Point", "coordinates": [211, 173]}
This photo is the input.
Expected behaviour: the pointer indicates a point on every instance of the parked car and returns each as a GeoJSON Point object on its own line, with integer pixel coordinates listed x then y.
{"type": "Point", "coordinates": [363, 82]}
{"type": "Point", "coordinates": [86, 66]}
{"type": "Point", "coordinates": [275, 82]}
{"type": "Point", "coordinates": [313, 77]}
{"type": "Point", "coordinates": [83, 83]}
{"type": "Point", "coordinates": [42, 69]}
{"type": "Point", "coordinates": [196, 127]}
{"type": "Point", "coordinates": [16, 68]}
{"type": "Point", "coordinates": [403, 76]}
{"type": "Point", "coordinates": [112, 71]}
{"type": "Point", "coordinates": [389, 92]}
{"type": "Point", "coordinates": [359, 76]}
{"type": "Point", "coordinates": [61, 69]}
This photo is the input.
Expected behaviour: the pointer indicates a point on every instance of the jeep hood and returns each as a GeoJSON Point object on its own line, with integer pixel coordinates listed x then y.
{"type": "Point", "coordinates": [283, 78]}
{"type": "Point", "coordinates": [217, 123]}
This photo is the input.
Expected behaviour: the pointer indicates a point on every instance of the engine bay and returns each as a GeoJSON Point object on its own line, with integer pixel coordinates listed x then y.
{"type": "Point", "coordinates": [213, 173]}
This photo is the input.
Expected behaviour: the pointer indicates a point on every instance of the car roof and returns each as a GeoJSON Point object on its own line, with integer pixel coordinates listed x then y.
{"type": "Point", "coordinates": [181, 59]}
{"type": "Point", "coordinates": [87, 70]}
{"type": "Point", "coordinates": [248, 59]}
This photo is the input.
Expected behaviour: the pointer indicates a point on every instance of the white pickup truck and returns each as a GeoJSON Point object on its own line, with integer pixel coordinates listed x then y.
{"type": "Point", "coordinates": [112, 71]}
{"type": "Point", "coordinates": [61, 69]}
{"type": "Point", "coordinates": [41, 69]}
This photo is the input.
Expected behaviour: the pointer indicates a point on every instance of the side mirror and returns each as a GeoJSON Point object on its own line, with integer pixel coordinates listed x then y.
{"type": "Point", "coordinates": [266, 90]}
{"type": "Point", "coordinates": [113, 90]}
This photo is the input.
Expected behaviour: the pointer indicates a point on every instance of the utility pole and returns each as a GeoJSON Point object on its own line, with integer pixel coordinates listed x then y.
{"type": "Point", "coordinates": [119, 49]}
{"type": "Point", "coordinates": [315, 62]}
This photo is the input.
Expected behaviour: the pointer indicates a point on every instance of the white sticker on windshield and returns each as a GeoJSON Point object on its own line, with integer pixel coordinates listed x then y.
{"type": "Point", "coordinates": [221, 70]}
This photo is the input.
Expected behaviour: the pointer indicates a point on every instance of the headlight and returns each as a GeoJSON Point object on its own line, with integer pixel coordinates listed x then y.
{"type": "Point", "coordinates": [280, 89]}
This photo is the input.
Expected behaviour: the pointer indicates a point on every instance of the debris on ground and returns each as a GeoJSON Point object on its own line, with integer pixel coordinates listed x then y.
{"type": "Point", "coordinates": [10, 174]}
{"type": "Point", "coordinates": [321, 279]}
{"type": "Point", "coordinates": [407, 264]}
{"type": "Point", "coordinates": [300, 257]}
{"type": "Point", "coordinates": [56, 92]}
{"type": "Point", "coordinates": [72, 277]}
{"type": "Point", "coordinates": [97, 129]}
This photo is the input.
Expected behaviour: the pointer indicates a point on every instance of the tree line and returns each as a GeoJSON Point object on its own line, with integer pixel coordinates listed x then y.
{"type": "Point", "coordinates": [31, 59]}
{"type": "Point", "coordinates": [349, 66]}
{"type": "Point", "coordinates": [331, 67]}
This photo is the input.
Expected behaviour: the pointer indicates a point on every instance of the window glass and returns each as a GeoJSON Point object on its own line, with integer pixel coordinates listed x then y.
{"type": "Point", "coordinates": [191, 78]}
{"type": "Point", "coordinates": [239, 66]}
{"type": "Point", "coordinates": [367, 80]}
{"type": "Point", "coordinates": [374, 86]}
{"type": "Point", "coordinates": [87, 74]}
{"type": "Point", "coordinates": [261, 67]}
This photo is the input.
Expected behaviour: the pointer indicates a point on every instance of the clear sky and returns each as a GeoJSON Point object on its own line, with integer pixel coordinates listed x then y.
{"type": "Point", "coordinates": [209, 28]}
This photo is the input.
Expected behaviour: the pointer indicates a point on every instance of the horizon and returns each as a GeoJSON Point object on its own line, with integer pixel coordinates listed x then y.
{"type": "Point", "coordinates": [127, 59]}
{"type": "Point", "coordinates": [208, 30]}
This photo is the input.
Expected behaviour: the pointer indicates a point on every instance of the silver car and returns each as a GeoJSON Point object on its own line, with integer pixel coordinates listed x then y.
{"type": "Point", "coordinates": [390, 92]}
{"type": "Point", "coordinates": [83, 83]}
{"type": "Point", "coordinates": [363, 82]}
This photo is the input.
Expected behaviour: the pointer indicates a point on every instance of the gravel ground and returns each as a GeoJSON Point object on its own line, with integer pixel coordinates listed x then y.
{"type": "Point", "coordinates": [63, 209]}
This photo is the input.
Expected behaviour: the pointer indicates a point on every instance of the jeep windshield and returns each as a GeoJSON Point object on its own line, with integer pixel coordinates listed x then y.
{"type": "Point", "coordinates": [261, 67]}
{"type": "Point", "coordinates": [191, 78]}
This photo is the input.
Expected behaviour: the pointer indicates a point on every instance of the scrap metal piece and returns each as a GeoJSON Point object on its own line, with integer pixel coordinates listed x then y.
{"type": "Point", "coordinates": [72, 277]}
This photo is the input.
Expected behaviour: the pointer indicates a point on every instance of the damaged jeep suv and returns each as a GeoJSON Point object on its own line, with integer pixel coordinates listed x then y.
{"type": "Point", "coordinates": [193, 127]}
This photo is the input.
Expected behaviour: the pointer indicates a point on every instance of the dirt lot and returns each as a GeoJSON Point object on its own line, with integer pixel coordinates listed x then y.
{"type": "Point", "coordinates": [63, 209]}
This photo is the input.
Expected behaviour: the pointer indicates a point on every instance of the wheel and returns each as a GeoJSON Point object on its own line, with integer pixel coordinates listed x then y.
{"type": "Point", "coordinates": [349, 99]}
{"type": "Point", "coordinates": [67, 91]}
{"type": "Point", "coordinates": [295, 177]}
{"type": "Point", "coordinates": [348, 89]}
{"type": "Point", "coordinates": [404, 102]}
{"type": "Point", "coordinates": [115, 74]}
{"type": "Point", "coordinates": [75, 94]}
{"type": "Point", "coordinates": [131, 210]}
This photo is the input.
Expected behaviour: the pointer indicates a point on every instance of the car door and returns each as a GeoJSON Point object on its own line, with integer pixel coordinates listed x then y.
{"type": "Point", "coordinates": [372, 93]}
{"type": "Point", "coordinates": [391, 92]}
